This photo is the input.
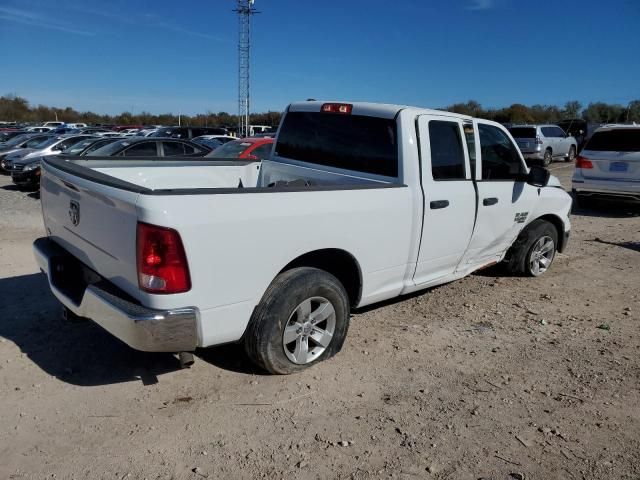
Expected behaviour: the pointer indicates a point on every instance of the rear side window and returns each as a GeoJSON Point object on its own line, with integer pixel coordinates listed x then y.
{"type": "Point", "coordinates": [142, 149]}
{"type": "Point", "coordinates": [447, 156]}
{"type": "Point", "coordinates": [621, 140]}
{"type": "Point", "coordinates": [523, 132]}
{"type": "Point", "coordinates": [500, 158]}
{"type": "Point", "coordinates": [548, 132]}
{"type": "Point", "coordinates": [351, 142]}
{"type": "Point", "coordinates": [172, 149]}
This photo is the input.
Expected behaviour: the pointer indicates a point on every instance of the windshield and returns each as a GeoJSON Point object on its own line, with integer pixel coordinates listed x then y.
{"type": "Point", "coordinates": [619, 140]}
{"type": "Point", "coordinates": [110, 149]}
{"type": "Point", "coordinates": [523, 132]}
{"type": "Point", "coordinates": [99, 144]}
{"type": "Point", "coordinates": [35, 141]}
{"type": "Point", "coordinates": [78, 147]}
{"type": "Point", "coordinates": [230, 150]}
{"type": "Point", "coordinates": [15, 140]}
{"type": "Point", "coordinates": [47, 142]}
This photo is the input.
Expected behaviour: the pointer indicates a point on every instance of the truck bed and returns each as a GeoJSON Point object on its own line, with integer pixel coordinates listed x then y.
{"type": "Point", "coordinates": [188, 175]}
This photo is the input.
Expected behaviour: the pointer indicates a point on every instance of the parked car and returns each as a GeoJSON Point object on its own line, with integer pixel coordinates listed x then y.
{"type": "Point", "coordinates": [25, 165]}
{"type": "Point", "coordinates": [88, 145]}
{"type": "Point", "coordinates": [350, 210]}
{"type": "Point", "coordinates": [39, 129]}
{"type": "Point", "coordinates": [109, 133]}
{"type": "Point", "coordinates": [544, 143]}
{"type": "Point", "coordinates": [8, 134]}
{"type": "Point", "coordinates": [52, 145]}
{"type": "Point", "coordinates": [187, 132]}
{"type": "Point", "coordinates": [55, 124]}
{"type": "Point", "coordinates": [609, 165]}
{"type": "Point", "coordinates": [95, 130]}
{"type": "Point", "coordinates": [246, 148]}
{"type": "Point", "coordinates": [16, 144]}
{"type": "Point", "coordinates": [213, 141]}
{"type": "Point", "coordinates": [151, 147]}
{"type": "Point", "coordinates": [76, 125]}
{"type": "Point", "coordinates": [146, 132]}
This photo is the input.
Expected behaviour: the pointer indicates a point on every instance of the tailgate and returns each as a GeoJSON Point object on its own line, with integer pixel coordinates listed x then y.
{"type": "Point", "coordinates": [612, 166]}
{"type": "Point", "coordinates": [95, 223]}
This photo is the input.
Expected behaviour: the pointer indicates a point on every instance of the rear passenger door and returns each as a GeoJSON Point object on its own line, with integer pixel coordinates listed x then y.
{"type": "Point", "coordinates": [449, 197]}
{"type": "Point", "coordinates": [141, 149]}
{"type": "Point", "coordinates": [505, 200]}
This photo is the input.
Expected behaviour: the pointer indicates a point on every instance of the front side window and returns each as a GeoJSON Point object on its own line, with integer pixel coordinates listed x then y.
{"type": "Point", "coordinates": [447, 155]}
{"type": "Point", "coordinates": [500, 158]}
{"type": "Point", "coordinates": [263, 151]}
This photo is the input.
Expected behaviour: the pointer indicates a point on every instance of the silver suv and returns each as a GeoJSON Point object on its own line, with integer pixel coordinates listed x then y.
{"type": "Point", "coordinates": [544, 143]}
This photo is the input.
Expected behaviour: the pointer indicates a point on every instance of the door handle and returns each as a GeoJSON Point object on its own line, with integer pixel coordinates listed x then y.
{"type": "Point", "coordinates": [436, 204]}
{"type": "Point", "coordinates": [487, 202]}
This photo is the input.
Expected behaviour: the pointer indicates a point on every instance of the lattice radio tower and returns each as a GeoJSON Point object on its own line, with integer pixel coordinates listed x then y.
{"type": "Point", "coordinates": [245, 9]}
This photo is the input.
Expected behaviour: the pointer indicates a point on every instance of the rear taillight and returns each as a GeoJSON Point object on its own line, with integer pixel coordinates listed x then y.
{"type": "Point", "coordinates": [344, 108]}
{"type": "Point", "coordinates": [162, 263]}
{"type": "Point", "coordinates": [538, 140]}
{"type": "Point", "coordinates": [583, 162]}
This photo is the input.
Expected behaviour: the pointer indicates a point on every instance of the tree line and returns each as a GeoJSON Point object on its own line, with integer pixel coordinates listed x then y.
{"type": "Point", "coordinates": [17, 109]}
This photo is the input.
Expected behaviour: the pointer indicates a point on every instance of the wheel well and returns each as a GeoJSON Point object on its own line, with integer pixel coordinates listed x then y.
{"type": "Point", "coordinates": [559, 226]}
{"type": "Point", "coordinates": [550, 149]}
{"type": "Point", "coordinates": [338, 263]}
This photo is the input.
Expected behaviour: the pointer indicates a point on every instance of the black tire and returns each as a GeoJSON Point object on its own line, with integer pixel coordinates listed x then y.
{"type": "Point", "coordinates": [548, 158]}
{"type": "Point", "coordinates": [264, 338]}
{"type": "Point", "coordinates": [571, 156]}
{"type": "Point", "coordinates": [521, 253]}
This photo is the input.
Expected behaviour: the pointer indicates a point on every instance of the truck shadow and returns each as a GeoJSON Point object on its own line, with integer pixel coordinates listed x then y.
{"type": "Point", "coordinates": [607, 209]}
{"type": "Point", "coordinates": [80, 354]}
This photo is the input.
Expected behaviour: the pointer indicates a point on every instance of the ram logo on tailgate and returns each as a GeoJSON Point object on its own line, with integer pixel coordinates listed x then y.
{"type": "Point", "coordinates": [74, 212]}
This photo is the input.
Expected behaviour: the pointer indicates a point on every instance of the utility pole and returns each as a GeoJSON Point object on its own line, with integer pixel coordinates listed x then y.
{"type": "Point", "coordinates": [244, 10]}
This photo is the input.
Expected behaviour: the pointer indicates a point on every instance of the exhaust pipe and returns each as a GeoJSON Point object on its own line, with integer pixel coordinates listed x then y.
{"type": "Point", "coordinates": [186, 359]}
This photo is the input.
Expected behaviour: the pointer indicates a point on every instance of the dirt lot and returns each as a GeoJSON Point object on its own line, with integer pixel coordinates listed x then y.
{"type": "Point", "coordinates": [491, 377]}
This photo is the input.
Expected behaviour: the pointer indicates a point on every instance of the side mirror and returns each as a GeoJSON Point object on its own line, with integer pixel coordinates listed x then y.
{"type": "Point", "coordinates": [538, 176]}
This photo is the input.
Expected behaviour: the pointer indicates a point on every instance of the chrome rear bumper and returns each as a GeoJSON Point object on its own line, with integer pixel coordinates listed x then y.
{"type": "Point", "coordinates": [139, 327]}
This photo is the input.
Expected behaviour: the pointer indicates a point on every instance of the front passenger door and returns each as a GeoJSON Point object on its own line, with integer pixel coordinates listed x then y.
{"type": "Point", "coordinates": [505, 200]}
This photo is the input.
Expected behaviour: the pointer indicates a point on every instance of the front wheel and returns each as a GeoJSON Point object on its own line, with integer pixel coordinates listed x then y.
{"type": "Point", "coordinates": [302, 319]}
{"type": "Point", "coordinates": [571, 156]}
{"type": "Point", "coordinates": [534, 250]}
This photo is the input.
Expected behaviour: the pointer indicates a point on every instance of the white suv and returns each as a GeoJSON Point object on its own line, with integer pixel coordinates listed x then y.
{"type": "Point", "coordinates": [609, 165]}
{"type": "Point", "coordinates": [544, 143]}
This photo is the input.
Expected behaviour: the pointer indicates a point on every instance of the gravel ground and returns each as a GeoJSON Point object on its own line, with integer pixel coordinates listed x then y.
{"type": "Point", "coordinates": [492, 377]}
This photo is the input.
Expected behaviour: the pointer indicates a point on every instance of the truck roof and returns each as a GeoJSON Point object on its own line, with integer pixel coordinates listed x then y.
{"type": "Point", "coordinates": [383, 110]}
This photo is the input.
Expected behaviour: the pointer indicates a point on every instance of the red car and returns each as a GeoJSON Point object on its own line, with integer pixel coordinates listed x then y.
{"type": "Point", "coordinates": [244, 148]}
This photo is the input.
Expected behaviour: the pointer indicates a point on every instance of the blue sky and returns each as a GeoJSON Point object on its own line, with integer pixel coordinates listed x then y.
{"type": "Point", "coordinates": [172, 55]}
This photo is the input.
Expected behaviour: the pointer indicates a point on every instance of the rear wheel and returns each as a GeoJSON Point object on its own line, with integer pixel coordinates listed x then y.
{"type": "Point", "coordinates": [546, 161]}
{"type": "Point", "coordinates": [534, 250]}
{"type": "Point", "coordinates": [571, 156]}
{"type": "Point", "coordinates": [302, 319]}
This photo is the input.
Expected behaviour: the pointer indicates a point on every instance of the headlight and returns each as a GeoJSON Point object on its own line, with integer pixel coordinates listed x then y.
{"type": "Point", "coordinates": [31, 166]}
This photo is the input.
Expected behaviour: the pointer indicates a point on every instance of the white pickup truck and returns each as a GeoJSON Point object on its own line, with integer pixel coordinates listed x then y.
{"type": "Point", "coordinates": [358, 203]}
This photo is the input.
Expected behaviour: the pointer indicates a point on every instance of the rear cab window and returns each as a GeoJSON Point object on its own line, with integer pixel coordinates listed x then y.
{"type": "Point", "coordinates": [351, 142]}
{"type": "Point", "coordinates": [617, 140]}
